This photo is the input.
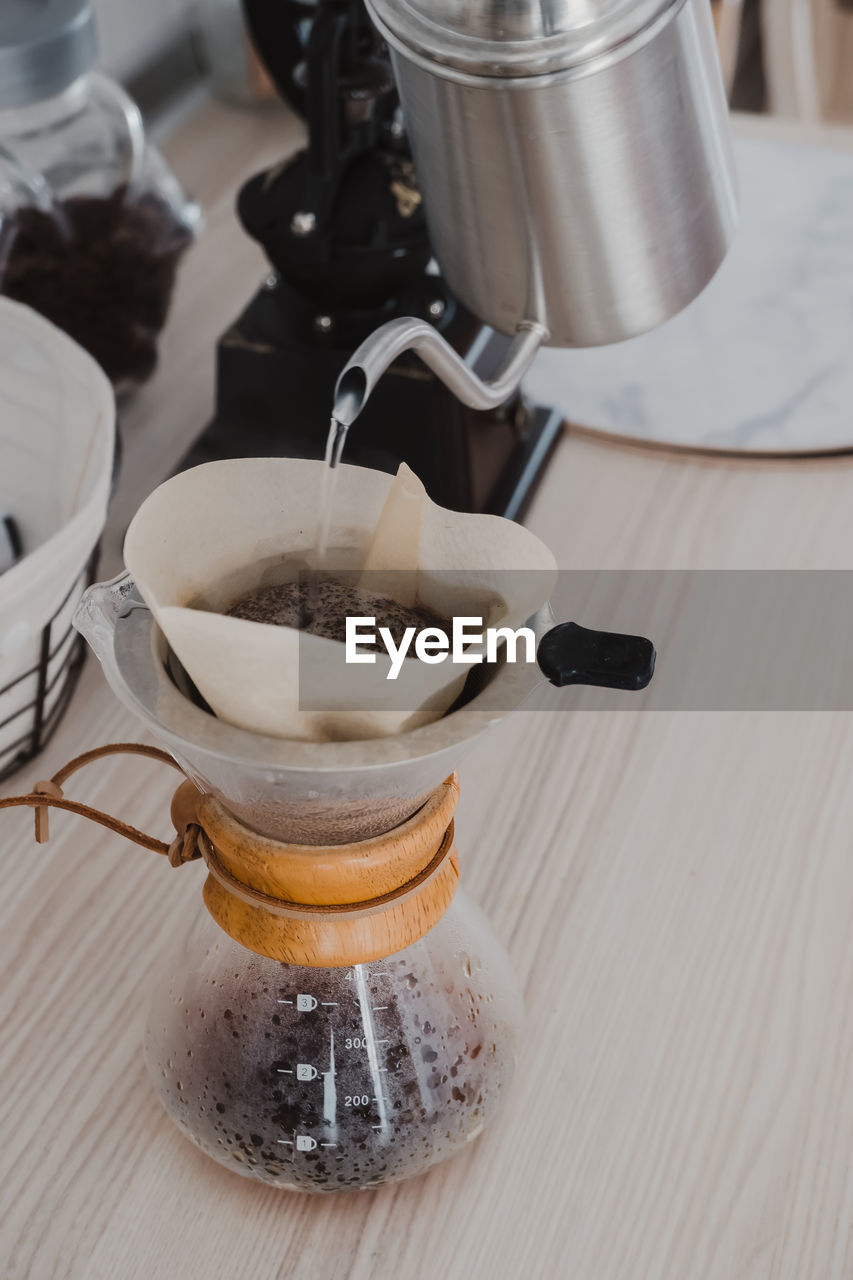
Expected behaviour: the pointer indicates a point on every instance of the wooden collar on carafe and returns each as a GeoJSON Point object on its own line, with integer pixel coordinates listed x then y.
{"type": "Point", "coordinates": [326, 905]}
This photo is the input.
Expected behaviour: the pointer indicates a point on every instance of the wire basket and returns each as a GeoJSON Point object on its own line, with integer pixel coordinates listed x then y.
{"type": "Point", "coordinates": [33, 704]}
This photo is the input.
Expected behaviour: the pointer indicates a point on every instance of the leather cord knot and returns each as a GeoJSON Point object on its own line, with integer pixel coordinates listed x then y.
{"type": "Point", "coordinates": [185, 846]}
{"type": "Point", "coordinates": [42, 813]}
{"type": "Point", "coordinates": [48, 794]}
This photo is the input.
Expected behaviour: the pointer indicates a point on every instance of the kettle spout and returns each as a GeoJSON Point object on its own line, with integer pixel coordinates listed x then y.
{"type": "Point", "coordinates": [361, 374]}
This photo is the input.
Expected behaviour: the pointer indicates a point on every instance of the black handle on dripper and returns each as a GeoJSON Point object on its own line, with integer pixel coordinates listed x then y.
{"type": "Point", "coordinates": [571, 654]}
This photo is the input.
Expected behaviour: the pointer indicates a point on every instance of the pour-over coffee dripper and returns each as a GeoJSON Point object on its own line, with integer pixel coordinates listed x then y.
{"type": "Point", "coordinates": [340, 1016]}
{"type": "Point", "coordinates": [319, 793]}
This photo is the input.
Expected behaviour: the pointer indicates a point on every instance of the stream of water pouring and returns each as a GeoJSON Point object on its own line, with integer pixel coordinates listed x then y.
{"type": "Point", "coordinates": [334, 448]}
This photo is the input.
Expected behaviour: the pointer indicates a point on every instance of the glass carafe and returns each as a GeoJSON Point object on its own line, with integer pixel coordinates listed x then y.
{"type": "Point", "coordinates": [335, 1078]}
{"type": "Point", "coordinates": [342, 1015]}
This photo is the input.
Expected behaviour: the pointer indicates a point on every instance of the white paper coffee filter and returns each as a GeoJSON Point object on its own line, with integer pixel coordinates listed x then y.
{"type": "Point", "coordinates": [209, 535]}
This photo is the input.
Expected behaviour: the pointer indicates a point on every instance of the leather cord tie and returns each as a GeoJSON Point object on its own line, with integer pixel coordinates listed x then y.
{"type": "Point", "coordinates": [299, 904]}
{"type": "Point", "coordinates": [49, 795]}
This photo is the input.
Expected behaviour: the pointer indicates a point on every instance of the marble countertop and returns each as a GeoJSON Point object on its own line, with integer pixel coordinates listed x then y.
{"type": "Point", "coordinates": [762, 361]}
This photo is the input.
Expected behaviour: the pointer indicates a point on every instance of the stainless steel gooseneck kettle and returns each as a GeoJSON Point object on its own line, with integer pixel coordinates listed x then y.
{"type": "Point", "coordinates": [576, 168]}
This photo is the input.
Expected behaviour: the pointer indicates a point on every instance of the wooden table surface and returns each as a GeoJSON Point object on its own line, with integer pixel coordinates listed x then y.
{"type": "Point", "coordinates": [676, 891]}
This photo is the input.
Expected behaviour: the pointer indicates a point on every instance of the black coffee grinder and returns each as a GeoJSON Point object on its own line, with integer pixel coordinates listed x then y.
{"type": "Point", "coordinates": [343, 227]}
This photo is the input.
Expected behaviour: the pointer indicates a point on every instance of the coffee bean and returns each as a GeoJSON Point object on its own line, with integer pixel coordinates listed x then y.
{"type": "Point", "coordinates": [101, 268]}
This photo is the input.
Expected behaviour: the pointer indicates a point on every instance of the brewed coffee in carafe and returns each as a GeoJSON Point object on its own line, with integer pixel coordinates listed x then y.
{"type": "Point", "coordinates": [330, 1079]}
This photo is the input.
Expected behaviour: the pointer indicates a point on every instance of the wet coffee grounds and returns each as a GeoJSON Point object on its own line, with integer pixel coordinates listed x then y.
{"type": "Point", "coordinates": [330, 1079]}
{"type": "Point", "coordinates": [322, 607]}
{"type": "Point", "coordinates": [101, 268]}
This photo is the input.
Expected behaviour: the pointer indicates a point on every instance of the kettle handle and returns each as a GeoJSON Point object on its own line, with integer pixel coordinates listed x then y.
{"type": "Point", "coordinates": [572, 654]}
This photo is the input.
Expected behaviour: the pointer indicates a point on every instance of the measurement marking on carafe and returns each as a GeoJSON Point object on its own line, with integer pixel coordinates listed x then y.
{"type": "Point", "coordinates": [372, 1044]}
{"type": "Point", "coordinates": [284, 1002]}
{"type": "Point", "coordinates": [329, 1002]}
{"type": "Point", "coordinates": [284, 1142]}
{"type": "Point", "coordinates": [377, 1008]}
{"type": "Point", "coordinates": [328, 1144]}
{"type": "Point", "coordinates": [284, 1071]}
{"type": "Point", "coordinates": [330, 1091]}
